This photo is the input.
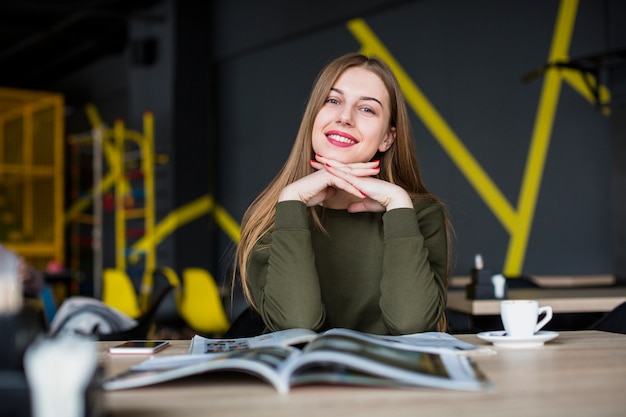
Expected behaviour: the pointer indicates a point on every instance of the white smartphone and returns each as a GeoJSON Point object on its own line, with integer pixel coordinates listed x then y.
{"type": "Point", "coordinates": [142, 347]}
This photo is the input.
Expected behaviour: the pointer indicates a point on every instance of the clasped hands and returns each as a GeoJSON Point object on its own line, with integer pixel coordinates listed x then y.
{"type": "Point", "coordinates": [356, 179]}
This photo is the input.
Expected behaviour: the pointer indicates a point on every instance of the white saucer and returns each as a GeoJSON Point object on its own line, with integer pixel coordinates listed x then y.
{"type": "Point", "coordinates": [499, 339]}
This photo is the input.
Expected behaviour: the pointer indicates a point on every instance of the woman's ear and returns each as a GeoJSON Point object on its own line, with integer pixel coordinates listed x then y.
{"type": "Point", "coordinates": [388, 140]}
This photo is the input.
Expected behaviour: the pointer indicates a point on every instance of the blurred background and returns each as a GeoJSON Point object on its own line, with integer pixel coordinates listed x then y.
{"type": "Point", "coordinates": [135, 133]}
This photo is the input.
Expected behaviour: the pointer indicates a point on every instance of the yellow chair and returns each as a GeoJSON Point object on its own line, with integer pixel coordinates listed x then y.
{"type": "Point", "coordinates": [201, 304]}
{"type": "Point", "coordinates": [119, 292]}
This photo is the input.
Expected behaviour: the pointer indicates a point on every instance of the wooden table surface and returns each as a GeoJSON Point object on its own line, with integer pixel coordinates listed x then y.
{"type": "Point", "coordinates": [580, 373]}
{"type": "Point", "coordinates": [562, 300]}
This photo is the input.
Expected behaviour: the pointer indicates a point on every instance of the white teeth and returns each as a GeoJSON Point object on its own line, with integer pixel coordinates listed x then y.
{"type": "Point", "coordinates": [342, 139]}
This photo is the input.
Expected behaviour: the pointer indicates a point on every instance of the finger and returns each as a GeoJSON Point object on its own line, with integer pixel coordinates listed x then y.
{"type": "Point", "coordinates": [355, 183]}
{"type": "Point", "coordinates": [365, 165]}
{"type": "Point", "coordinates": [345, 186]}
{"type": "Point", "coordinates": [358, 169]}
{"type": "Point", "coordinates": [316, 165]}
{"type": "Point", "coordinates": [354, 165]}
{"type": "Point", "coordinates": [346, 173]}
{"type": "Point", "coordinates": [363, 185]}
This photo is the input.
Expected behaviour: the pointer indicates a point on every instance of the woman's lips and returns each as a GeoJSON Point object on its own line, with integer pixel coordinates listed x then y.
{"type": "Point", "coordinates": [340, 139]}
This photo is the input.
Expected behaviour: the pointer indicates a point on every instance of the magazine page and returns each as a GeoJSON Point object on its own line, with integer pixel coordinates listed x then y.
{"type": "Point", "coordinates": [157, 362]}
{"type": "Point", "coordinates": [355, 360]}
{"type": "Point", "coordinates": [436, 342]}
{"type": "Point", "coordinates": [202, 345]}
{"type": "Point", "coordinates": [264, 363]}
{"type": "Point", "coordinates": [203, 348]}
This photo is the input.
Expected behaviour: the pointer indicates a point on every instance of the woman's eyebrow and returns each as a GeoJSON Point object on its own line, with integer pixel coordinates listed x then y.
{"type": "Point", "coordinates": [337, 90]}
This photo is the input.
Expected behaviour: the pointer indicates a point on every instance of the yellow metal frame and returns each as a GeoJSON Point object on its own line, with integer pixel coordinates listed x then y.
{"type": "Point", "coordinates": [198, 300]}
{"type": "Point", "coordinates": [114, 143]}
{"type": "Point", "coordinates": [37, 242]}
{"type": "Point", "coordinates": [145, 143]}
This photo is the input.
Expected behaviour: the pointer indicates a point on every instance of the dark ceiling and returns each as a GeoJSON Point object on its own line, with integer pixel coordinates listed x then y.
{"type": "Point", "coordinates": [42, 41]}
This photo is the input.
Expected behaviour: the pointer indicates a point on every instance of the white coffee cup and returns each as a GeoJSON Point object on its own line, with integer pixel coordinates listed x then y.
{"type": "Point", "coordinates": [519, 317]}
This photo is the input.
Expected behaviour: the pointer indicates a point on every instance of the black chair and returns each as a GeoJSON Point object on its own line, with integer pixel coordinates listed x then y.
{"type": "Point", "coordinates": [247, 324]}
{"type": "Point", "coordinates": [614, 321]}
{"type": "Point", "coordinates": [144, 322]}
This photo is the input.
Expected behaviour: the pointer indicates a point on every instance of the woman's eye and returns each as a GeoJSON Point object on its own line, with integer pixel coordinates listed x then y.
{"type": "Point", "coordinates": [368, 110]}
{"type": "Point", "coordinates": [332, 100]}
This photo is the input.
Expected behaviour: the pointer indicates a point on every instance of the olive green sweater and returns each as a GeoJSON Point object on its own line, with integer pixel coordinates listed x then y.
{"type": "Point", "coordinates": [381, 273]}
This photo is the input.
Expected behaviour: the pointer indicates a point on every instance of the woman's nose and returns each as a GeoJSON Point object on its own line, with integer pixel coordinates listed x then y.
{"type": "Point", "coordinates": [345, 117]}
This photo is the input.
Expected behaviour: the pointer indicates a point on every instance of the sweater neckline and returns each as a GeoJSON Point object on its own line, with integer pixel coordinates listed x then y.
{"type": "Point", "coordinates": [330, 212]}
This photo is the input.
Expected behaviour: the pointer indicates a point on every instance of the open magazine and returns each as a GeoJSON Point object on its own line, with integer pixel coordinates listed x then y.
{"type": "Point", "coordinates": [429, 341]}
{"type": "Point", "coordinates": [335, 357]}
{"type": "Point", "coordinates": [202, 347]}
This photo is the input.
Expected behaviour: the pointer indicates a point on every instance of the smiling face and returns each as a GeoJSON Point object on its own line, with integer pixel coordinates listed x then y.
{"type": "Point", "coordinates": [353, 123]}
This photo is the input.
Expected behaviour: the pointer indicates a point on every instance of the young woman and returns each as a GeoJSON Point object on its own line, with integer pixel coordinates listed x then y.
{"type": "Point", "coordinates": [346, 235]}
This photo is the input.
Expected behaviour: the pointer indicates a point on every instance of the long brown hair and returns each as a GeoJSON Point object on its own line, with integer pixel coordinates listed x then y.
{"type": "Point", "coordinates": [398, 164]}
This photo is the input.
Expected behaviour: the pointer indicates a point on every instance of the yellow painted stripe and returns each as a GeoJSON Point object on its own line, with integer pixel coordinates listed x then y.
{"type": "Point", "coordinates": [108, 181]}
{"type": "Point", "coordinates": [540, 139]}
{"type": "Point", "coordinates": [171, 222]}
{"type": "Point", "coordinates": [93, 115]}
{"type": "Point", "coordinates": [446, 137]}
{"type": "Point", "coordinates": [183, 215]}
{"type": "Point", "coordinates": [578, 82]}
{"type": "Point", "coordinates": [118, 174]}
{"type": "Point", "coordinates": [82, 204]}
{"type": "Point", "coordinates": [147, 163]}
{"type": "Point", "coordinates": [227, 223]}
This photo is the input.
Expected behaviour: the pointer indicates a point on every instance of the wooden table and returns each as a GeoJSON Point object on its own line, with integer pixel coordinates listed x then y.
{"type": "Point", "coordinates": [562, 300]}
{"type": "Point", "coordinates": [578, 374]}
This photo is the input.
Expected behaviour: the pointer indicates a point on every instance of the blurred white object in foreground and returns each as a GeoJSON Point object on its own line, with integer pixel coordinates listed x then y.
{"type": "Point", "coordinates": [58, 373]}
{"type": "Point", "coordinates": [10, 285]}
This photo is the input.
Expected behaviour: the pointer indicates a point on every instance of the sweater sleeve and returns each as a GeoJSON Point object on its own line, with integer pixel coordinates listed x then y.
{"type": "Point", "coordinates": [414, 282]}
{"type": "Point", "coordinates": [283, 277]}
